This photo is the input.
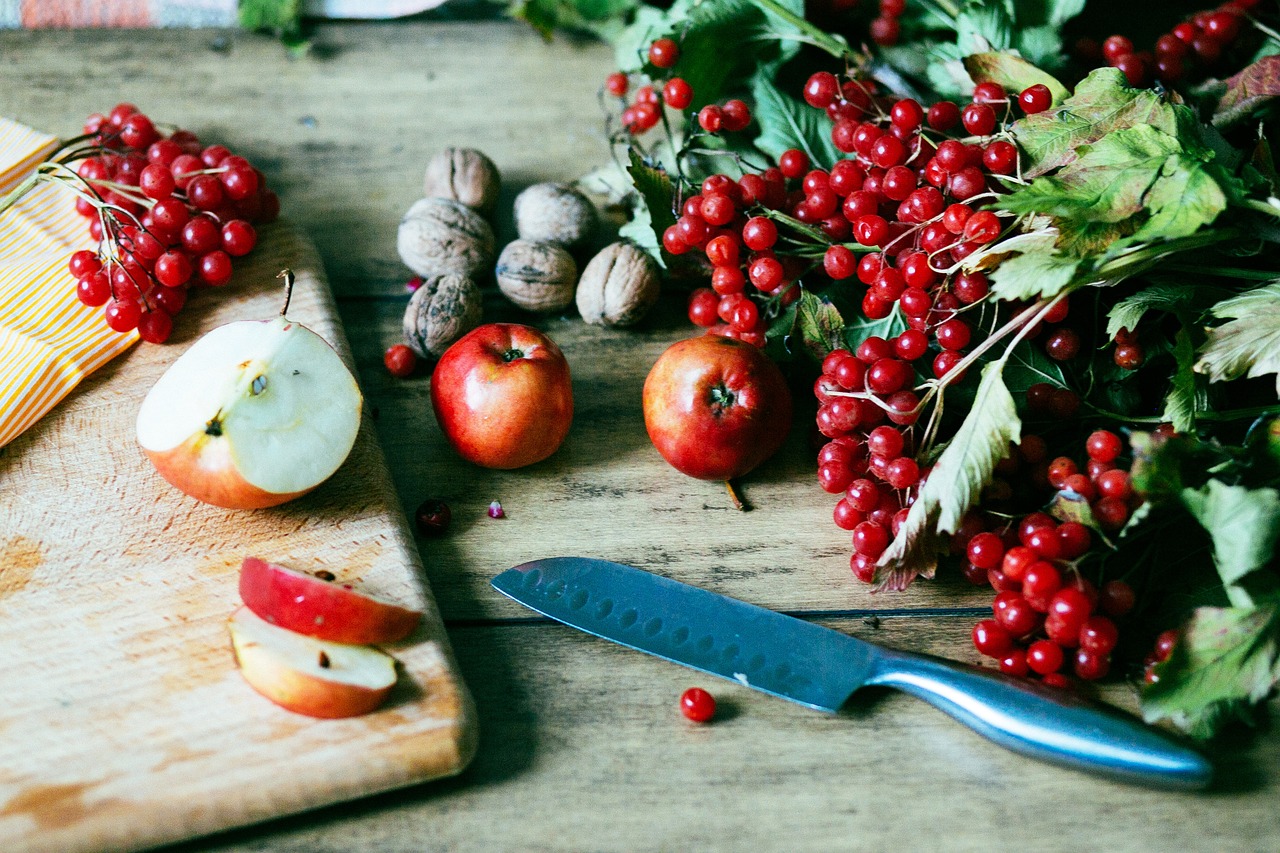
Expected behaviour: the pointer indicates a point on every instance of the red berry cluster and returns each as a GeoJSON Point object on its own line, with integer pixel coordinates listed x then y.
{"type": "Point", "coordinates": [645, 110]}
{"type": "Point", "coordinates": [168, 214]}
{"type": "Point", "coordinates": [1048, 617]}
{"type": "Point", "coordinates": [886, 29]}
{"type": "Point", "coordinates": [1193, 48]}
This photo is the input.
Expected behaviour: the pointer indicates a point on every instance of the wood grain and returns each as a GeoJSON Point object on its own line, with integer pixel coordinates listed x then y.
{"type": "Point", "coordinates": [581, 746]}
{"type": "Point", "coordinates": [122, 701]}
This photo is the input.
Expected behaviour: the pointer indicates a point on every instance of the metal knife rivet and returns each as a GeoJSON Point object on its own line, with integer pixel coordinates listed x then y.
{"type": "Point", "coordinates": [555, 589]}
{"type": "Point", "coordinates": [604, 608]}
{"type": "Point", "coordinates": [681, 636]}
{"type": "Point", "coordinates": [579, 599]}
{"type": "Point", "coordinates": [628, 618]}
{"type": "Point", "coordinates": [652, 627]}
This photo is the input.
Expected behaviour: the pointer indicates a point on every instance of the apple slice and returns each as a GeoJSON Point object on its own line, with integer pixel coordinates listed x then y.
{"type": "Point", "coordinates": [254, 414]}
{"type": "Point", "coordinates": [306, 675]}
{"type": "Point", "coordinates": [321, 608]}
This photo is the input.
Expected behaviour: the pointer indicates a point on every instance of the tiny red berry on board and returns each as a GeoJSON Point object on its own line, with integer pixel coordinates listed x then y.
{"type": "Point", "coordinates": [400, 361]}
{"type": "Point", "coordinates": [698, 705]}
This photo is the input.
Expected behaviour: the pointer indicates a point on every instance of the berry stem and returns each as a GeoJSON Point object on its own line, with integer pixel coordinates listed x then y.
{"type": "Point", "coordinates": [832, 44]}
{"type": "Point", "coordinates": [287, 275]}
{"type": "Point", "coordinates": [738, 503]}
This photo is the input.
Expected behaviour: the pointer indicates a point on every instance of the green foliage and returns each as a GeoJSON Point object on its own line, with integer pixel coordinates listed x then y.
{"type": "Point", "coordinates": [1248, 92]}
{"type": "Point", "coordinates": [1243, 523]}
{"type": "Point", "coordinates": [277, 15]}
{"type": "Point", "coordinates": [1180, 403]}
{"type": "Point", "coordinates": [1249, 344]}
{"type": "Point", "coordinates": [651, 212]}
{"type": "Point", "coordinates": [604, 18]}
{"type": "Point", "coordinates": [1012, 72]}
{"type": "Point", "coordinates": [819, 325]}
{"type": "Point", "coordinates": [788, 122]}
{"type": "Point", "coordinates": [1225, 658]}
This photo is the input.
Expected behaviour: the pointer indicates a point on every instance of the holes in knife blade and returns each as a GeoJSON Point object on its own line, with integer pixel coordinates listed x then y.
{"type": "Point", "coordinates": [782, 672]}
{"type": "Point", "coordinates": [730, 652]}
{"type": "Point", "coordinates": [628, 618]}
{"type": "Point", "coordinates": [555, 589]}
{"type": "Point", "coordinates": [604, 608]}
{"type": "Point", "coordinates": [532, 578]}
{"type": "Point", "coordinates": [681, 636]}
{"type": "Point", "coordinates": [756, 662]}
{"type": "Point", "coordinates": [705, 644]}
{"type": "Point", "coordinates": [579, 599]}
{"type": "Point", "coordinates": [652, 627]}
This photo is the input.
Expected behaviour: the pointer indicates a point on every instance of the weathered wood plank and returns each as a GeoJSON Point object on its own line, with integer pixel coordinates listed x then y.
{"type": "Point", "coordinates": [583, 749]}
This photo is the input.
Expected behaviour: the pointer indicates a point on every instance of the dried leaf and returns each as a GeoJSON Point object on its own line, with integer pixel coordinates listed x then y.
{"type": "Point", "coordinates": [1250, 90]}
{"type": "Point", "coordinates": [1248, 345]}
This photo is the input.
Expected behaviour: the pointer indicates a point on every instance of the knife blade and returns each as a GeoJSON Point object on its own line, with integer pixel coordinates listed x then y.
{"type": "Point", "coordinates": [821, 668]}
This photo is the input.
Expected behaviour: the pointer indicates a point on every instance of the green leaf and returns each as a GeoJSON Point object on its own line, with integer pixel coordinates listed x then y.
{"type": "Point", "coordinates": [786, 122]}
{"type": "Point", "coordinates": [819, 325]}
{"type": "Point", "coordinates": [983, 26]}
{"type": "Point", "coordinates": [1101, 103]}
{"type": "Point", "coordinates": [1184, 198]}
{"type": "Point", "coordinates": [1248, 345]}
{"type": "Point", "coordinates": [861, 328]}
{"type": "Point", "coordinates": [1168, 296]}
{"type": "Point", "coordinates": [1029, 365]}
{"type": "Point", "coordinates": [957, 478]}
{"type": "Point", "coordinates": [1012, 72]}
{"type": "Point", "coordinates": [1249, 91]}
{"type": "Point", "coordinates": [721, 43]}
{"type": "Point", "coordinates": [1061, 11]}
{"type": "Point", "coordinates": [1180, 402]}
{"type": "Point", "coordinates": [1042, 46]}
{"type": "Point", "coordinates": [1225, 658]}
{"type": "Point", "coordinates": [278, 15]}
{"type": "Point", "coordinates": [1243, 523]}
{"type": "Point", "coordinates": [651, 212]}
{"type": "Point", "coordinates": [1040, 270]}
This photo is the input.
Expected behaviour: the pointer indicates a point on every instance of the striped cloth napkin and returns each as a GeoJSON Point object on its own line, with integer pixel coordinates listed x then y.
{"type": "Point", "coordinates": [49, 341]}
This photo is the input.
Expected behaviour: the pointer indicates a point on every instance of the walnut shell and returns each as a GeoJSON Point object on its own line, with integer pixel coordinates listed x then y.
{"type": "Point", "coordinates": [465, 175]}
{"type": "Point", "coordinates": [537, 275]}
{"type": "Point", "coordinates": [440, 236]}
{"type": "Point", "coordinates": [554, 212]}
{"type": "Point", "coordinates": [441, 311]}
{"type": "Point", "coordinates": [618, 286]}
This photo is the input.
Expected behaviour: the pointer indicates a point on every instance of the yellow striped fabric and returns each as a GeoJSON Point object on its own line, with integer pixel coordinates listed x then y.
{"type": "Point", "coordinates": [49, 341]}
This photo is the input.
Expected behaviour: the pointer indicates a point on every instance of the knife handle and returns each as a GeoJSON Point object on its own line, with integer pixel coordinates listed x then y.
{"type": "Point", "coordinates": [1046, 723]}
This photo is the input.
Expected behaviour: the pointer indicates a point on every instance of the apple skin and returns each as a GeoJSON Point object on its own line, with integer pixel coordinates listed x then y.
{"type": "Point", "coordinates": [202, 468]}
{"type": "Point", "coordinates": [319, 608]}
{"type": "Point", "coordinates": [283, 666]}
{"type": "Point", "coordinates": [715, 407]}
{"type": "Point", "coordinates": [502, 396]}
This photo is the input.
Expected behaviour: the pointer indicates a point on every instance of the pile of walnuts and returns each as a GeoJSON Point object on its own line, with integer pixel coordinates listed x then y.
{"type": "Point", "coordinates": [447, 241]}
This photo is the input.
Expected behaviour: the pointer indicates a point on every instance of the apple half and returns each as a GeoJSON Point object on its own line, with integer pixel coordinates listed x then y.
{"type": "Point", "coordinates": [309, 676]}
{"type": "Point", "coordinates": [321, 608]}
{"type": "Point", "coordinates": [254, 414]}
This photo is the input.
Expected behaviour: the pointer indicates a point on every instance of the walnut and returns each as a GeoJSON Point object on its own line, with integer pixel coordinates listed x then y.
{"type": "Point", "coordinates": [537, 275]}
{"type": "Point", "coordinates": [441, 311]}
{"type": "Point", "coordinates": [618, 286]}
{"type": "Point", "coordinates": [555, 212]}
{"type": "Point", "coordinates": [465, 175]}
{"type": "Point", "coordinates": [439, 236]}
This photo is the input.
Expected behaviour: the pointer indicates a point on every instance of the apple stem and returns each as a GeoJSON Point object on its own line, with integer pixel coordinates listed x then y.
{"type": "Point", "coordinates": [287, 275]}
{"type": "Point", "coordinates": [738, 503]}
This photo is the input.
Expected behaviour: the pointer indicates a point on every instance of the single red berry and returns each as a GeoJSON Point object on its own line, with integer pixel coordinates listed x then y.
{"type": "Point", "coordinates": [1103, 445]}
{"type": "Point", "coordinates": [698, 705]}
{"type": "Point", "coordinates": [677, 93]}
{"type": "Point", "coordinates": [793, 162]}
{"type": "Point", "coordinates": [664, 52]}
{"type": "Point", "coordinates": [1035, 99]}
{"type": "Point", "coordinates": [155, 326]}
{"type": "Point", "coordinates": [978, 119]}
{"type": "Point", "coordinates": [991, 639]}
{"type": "Point", "coordinates": [616, 84]}
{"type": "Point", "coordinates": [400, 361]}
{"type": "Point", "coordinates": [711, 118]}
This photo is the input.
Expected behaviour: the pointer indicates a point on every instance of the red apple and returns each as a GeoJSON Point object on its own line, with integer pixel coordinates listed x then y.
{"type": "Point", "coordinates": [502, 396]}
{"type": "Point", "coordinates": [321, 608]}
{"type": "Point", "coordinates": [716, 407]}
{"type": "Point", "coordinates": [306, 675]}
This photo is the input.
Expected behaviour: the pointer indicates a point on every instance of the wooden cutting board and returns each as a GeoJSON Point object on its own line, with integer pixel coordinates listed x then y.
{"type": "Point", "coordinates": [123, 720]}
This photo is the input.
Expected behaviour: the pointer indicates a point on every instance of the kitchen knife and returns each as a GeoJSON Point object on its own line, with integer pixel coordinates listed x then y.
{"type": "Point", "coordinates": [821, 668]}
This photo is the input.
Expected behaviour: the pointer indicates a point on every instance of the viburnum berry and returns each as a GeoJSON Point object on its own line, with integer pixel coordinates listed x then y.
{"type": "Point", "coordinates": [616, 84]}
{"type": "Point", "coordinates": [400, 361]}
{"type": "Point", "coordinates": [664, 52]}
{"type": "Point", "coordinates": [697, 705]}
{"type": "Point", "coordinates": [1035, 99]}
{"type": "Point", "coordinates": [711, 118]}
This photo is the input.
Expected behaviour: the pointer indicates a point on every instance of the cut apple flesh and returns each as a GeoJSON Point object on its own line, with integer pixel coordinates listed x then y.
{"type": "Point", "coordinates": [253, 414]}
{"type": "Point", "coordinates": [320, 608]}
{"type": "Point", "coordinates": [310, 676]}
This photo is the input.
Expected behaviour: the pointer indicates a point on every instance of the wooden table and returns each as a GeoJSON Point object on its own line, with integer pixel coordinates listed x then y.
{"type": "Point", "coordinates": [582, 747]}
